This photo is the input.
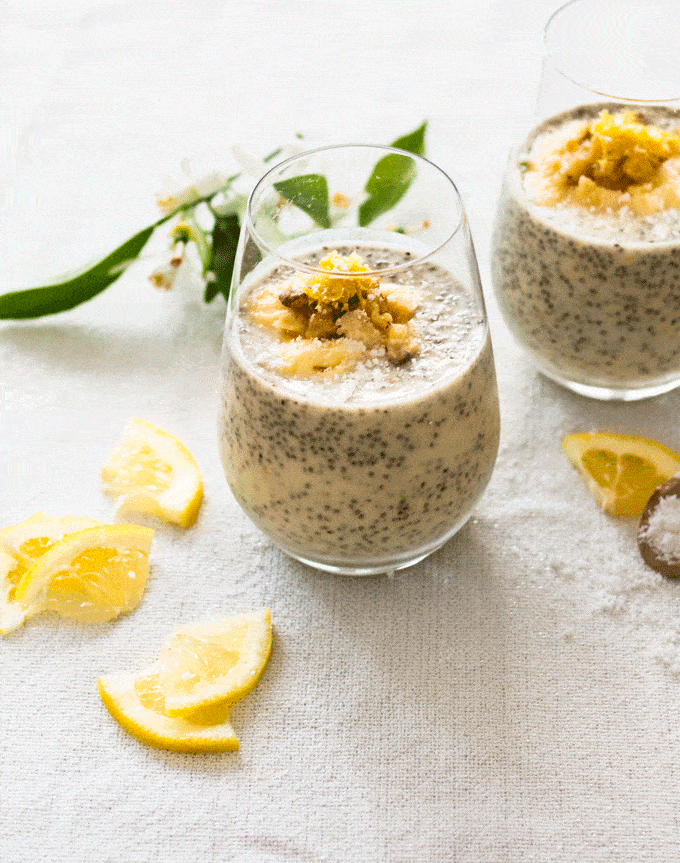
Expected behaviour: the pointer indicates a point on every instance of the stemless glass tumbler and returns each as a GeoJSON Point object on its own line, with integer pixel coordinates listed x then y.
{"type": "Point", "coordinates": [586, 245]}
{"type": "Point", "coordinates": [359, 414]}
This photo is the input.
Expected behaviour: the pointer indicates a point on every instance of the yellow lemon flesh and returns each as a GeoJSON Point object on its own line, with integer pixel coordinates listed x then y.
{"type": "Point", "coordinates": [153, 473]}
{"type": "Point", "coordinates": [91, 575]}
{"type": "Point", "coordinates": [182, 702]}
{"type": "Point", "coordinates": [136, 703]}
{"type": "Point", "coordinates": [20, 547]}
{"type": "Point", "coordinates": [621, 471]}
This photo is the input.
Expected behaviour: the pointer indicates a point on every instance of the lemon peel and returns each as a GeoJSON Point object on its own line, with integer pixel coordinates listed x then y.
{"type": "Point", "coordinates": [626, 151]}
{"type": "Point", "coordinates": [151, 472]}
{"type": "Point", "coordinates": [620, 471]}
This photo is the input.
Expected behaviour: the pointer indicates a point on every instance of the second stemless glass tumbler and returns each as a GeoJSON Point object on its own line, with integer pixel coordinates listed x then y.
{"type": "Point", "coordinates": [591, 289]}
{"type": "Point", "coordinates": [359, 416]}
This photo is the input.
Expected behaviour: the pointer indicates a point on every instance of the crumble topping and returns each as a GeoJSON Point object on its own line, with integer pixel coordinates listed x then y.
{"type": "Point", "coordinates": [609, 163]}
{"type": "Point", "coordinates": [328, 322]}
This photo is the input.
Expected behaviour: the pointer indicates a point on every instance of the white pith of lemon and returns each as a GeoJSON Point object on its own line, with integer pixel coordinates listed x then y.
{"type": "Point", "coordinates": [151, 472]}
{"type": "Point", "coordinates": [135, 703]}
{"type": "Point", "coordinates": [91, 575]}
{"type": "Point", "coordinates": [20, 547]}
{"type": "Point", "coordinates": [621, 471]}
{"type": "Point", "coordinates": [218, 661]}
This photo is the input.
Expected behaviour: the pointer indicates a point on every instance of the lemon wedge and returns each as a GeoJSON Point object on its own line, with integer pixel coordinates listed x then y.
{"type": "Point", "coordinates": [214, 661]}
{"type": "Point", "coordinates": [20, 547]}
{"type": "Point", "coordinates": [621, 471]}
{"type": "Point", "coordinates": [137, 704]}
{"type": "Point", "coordinates": [151, 472]}
{"type": "Point", "coordinates": [91, 575]}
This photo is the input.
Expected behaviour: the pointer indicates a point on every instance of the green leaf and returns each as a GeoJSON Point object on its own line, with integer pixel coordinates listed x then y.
{"type": "Point", "coordinates": [414, 142]}
{"type": "Point", "coordinates": [50, 299]}
{"type": "Point", "coordinates": [225, 236]}
{"type": "Point", "coordinates": [391, 177]}
{"type": "Point", "coordinates": [309, 193]}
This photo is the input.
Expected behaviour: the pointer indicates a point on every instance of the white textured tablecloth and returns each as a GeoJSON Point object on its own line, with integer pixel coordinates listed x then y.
{"type": "Point", "coordinates": [516, 697]}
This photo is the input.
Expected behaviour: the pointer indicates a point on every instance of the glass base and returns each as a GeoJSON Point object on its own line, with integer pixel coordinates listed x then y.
{"type": "Point", "coordinates": [378, 565]}
{"type": "Point", "coordinates": [361, 569]}
{"type": "Point", "coordinates": [611, 393]}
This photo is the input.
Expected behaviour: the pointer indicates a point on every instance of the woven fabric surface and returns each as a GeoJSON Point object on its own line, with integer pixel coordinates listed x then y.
{"type": "Point", "coordinates": [516, 696]}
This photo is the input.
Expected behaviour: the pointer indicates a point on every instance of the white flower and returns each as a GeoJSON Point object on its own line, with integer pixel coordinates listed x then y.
{"type": "Point", "coordinates": [258, 167]}
{"type": "Point", "coordinates": [250, 163]}
{"type": "Point", "coordinates": [164, 276]}
{"type": "Point", "coordinates": [199, 187]}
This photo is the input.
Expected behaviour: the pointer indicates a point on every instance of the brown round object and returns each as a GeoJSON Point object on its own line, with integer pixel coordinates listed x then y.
{"type": "Point", "coordinates": [650, 554]}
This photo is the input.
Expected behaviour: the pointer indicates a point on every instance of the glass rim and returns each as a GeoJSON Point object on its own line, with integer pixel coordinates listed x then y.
{"type": "Point", "coordinates": [550, 52]}
{"type": "Point", "coordinates": [249, 224]}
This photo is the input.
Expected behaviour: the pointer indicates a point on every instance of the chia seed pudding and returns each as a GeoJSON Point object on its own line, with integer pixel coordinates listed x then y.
{"type": "Point", "coordinates": [594, 296]}
{"type": "Point", "coordinates": [376, 467]}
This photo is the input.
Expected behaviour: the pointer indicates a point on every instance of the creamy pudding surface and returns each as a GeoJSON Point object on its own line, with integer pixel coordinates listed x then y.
{"type": "Point", "coordinates": [377, 448]}
{"type": "Point", "coordinates": [586, 248]}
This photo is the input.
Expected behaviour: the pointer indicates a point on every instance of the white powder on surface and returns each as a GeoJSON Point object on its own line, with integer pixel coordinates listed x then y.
{"type": "Point", "coordinates": [663, 529]}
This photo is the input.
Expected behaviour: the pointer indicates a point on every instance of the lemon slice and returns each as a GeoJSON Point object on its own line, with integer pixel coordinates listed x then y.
{"type": "Point", "coordinates": [20, 546]}
{"type": "Point", "coordinates": [152, 472]}
{"type": "Point", "coordinates": [214, 661]}
{"type": "Point", "coordinates": [137, 704]}
{"type": "Point", "coordinates": [621, 471]}
{"type": "Point", "coordinates": [91, 575]}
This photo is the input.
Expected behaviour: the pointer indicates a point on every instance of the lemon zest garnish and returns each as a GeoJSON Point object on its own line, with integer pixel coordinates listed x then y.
{"type": "Point", "coordinates": [329, 323]}
{"type": "Point", "coordinates": [335, 288]}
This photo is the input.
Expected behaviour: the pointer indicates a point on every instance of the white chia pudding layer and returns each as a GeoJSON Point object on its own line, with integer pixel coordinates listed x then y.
{"type": "Point", "coordinates": [376, 464]}
{"type": "Point", "coordinates": [594, 297]}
